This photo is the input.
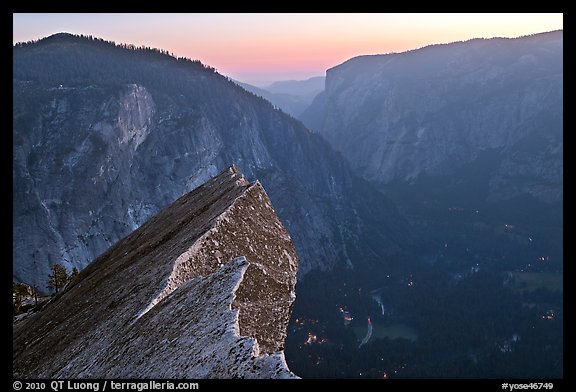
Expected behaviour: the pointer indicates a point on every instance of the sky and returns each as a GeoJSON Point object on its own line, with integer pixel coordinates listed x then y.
{"type": "Point", "coordinates": [262, 48]}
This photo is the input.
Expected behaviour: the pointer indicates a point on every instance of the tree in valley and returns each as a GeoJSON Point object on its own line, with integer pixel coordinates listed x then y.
{"type": "Point", "coordinates": [74, 274]}
{"type": "Point", "coordinates": [19, 292]}
{"type": "Point", "coordinates": [58, 277]}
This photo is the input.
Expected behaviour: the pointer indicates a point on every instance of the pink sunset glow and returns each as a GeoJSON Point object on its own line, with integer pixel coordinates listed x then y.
{"type": "Point", "coordinates": [261, 48]}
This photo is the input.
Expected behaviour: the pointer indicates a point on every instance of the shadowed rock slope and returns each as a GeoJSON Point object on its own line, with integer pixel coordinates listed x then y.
{"type": "Point", "coordinates": [204, 289]}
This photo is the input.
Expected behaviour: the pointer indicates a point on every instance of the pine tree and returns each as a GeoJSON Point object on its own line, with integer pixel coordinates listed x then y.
{"type": "Point", "coordinates": [58, 277]}
{"type": "Point", "coordinates": [74, 274]}
{"type": "Point", "coordinates": [19, 292]}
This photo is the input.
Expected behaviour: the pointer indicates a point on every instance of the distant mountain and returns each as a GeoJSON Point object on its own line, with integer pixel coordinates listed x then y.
{"type": "Point", "coordinates": [204, 289]}
{"type": "Point", "coordinates": [106, 135]}
{"type": "Point", "coordinates": [485, 113]}
{"type": "Point", "coordinates": [308, 87]}
{"type": "Point", "coordinates": [291, 96]}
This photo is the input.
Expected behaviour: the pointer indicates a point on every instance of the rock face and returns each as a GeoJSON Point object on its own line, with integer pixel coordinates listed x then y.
{"type": "Point", "coordinates": [434, 110]}
{"type": "Point", "coordinates": [203, 289]}
{"type": "Point", "coordinates": [105, 136]}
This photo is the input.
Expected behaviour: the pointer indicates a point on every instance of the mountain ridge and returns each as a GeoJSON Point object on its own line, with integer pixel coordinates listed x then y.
{"type": "Point", "coordinates": [291, 96]}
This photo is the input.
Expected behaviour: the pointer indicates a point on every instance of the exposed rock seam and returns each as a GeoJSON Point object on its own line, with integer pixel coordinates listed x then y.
{"type": "Point", "coordinates": [171, 283]}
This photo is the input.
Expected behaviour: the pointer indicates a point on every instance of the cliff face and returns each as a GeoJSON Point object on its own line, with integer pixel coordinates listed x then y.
{"type": "Point", "coordinates": [203, 289]}
{"type": "Point", "coordinates": [104, 137]}
{"type": "Point", "coordinates": [437, 109]}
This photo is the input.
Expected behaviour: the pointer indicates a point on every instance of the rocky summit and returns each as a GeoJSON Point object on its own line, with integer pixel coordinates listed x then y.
{"type": "Point", "coordinates": [203, 289]}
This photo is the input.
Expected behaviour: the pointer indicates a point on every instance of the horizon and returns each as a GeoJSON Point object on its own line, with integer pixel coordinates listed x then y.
{"type": "Point", "coordinates": [260, 49]}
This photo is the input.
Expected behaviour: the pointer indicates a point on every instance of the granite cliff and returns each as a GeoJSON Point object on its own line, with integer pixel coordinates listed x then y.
{"type": "Point", "coordinates": [203, 289]}
{"type": "Point", "coordinates": [492, 105]}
